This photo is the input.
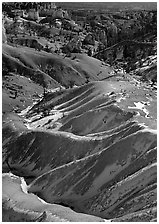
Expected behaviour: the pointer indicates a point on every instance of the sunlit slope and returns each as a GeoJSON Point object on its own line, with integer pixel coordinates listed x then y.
{"type": "Point", "coordinates": [27, 73]}
{"type": "Point", "coordinates": [51, 69]}
{"type": "Point", "coordinates": [99, 106]}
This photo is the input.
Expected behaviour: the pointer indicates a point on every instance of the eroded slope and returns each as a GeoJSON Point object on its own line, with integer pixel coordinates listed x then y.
{"type": "Point", "coordinates": [92, 148]}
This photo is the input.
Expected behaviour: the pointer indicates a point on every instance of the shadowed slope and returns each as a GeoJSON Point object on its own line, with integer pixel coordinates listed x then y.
{"type": "Point", "coordinates": [33, 152]}
{"type": "Point", "coordinates": [82, 180]}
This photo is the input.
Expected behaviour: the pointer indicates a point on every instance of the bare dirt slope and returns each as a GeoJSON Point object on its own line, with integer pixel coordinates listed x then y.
{"type": "Point", "coordinates": [92, 148]}
{"type": "Point", "coordinates": [52, 69]}
{"type": "Point", "coordinates": [27, 73]}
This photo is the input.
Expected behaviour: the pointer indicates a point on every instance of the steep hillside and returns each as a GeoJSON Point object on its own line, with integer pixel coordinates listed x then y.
{"type": "Point", "coordinates": [92, 148]}
{"type": "Point", "coordinates": [50, 70]}
{"type": "Point", "coordinates": [28, 74]}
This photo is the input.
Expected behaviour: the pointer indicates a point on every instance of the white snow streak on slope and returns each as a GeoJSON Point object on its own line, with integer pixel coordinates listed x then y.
{"type": "Point", "coordinates": [140, 106]}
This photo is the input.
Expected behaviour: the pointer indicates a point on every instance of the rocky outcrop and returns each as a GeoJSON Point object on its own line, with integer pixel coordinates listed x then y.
{"type": "Point", "coordinates": [127, 50]}
{"type": "Point", "coordinates": [74, 46]}
{"type": "Point", "coordinates": [33, 14]}
{"type": "Point", "coordinates": [31, 42]}
{"type": "Point", "coordinates": [89, 39]}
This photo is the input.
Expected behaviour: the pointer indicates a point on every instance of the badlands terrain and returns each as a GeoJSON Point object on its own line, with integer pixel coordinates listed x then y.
{"type": "Point", "coordinates": [79, 104]}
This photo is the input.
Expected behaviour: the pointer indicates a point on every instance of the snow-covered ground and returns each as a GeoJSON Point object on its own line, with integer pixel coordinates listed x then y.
{"type": "Point", "coordinates": [140, 106]}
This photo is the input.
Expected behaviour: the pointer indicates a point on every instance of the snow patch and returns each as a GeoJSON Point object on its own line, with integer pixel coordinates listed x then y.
{"type": "Point", "coordinates": [24, 185]}
{"type": "Point", "coordinates": [119, 99]}
{"type": "Point", "coordinates": [10, 175]}
{"type": "Point", "coordinates": [140, 106]}
{"type": "Point", "coordinates": [25, 111]}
